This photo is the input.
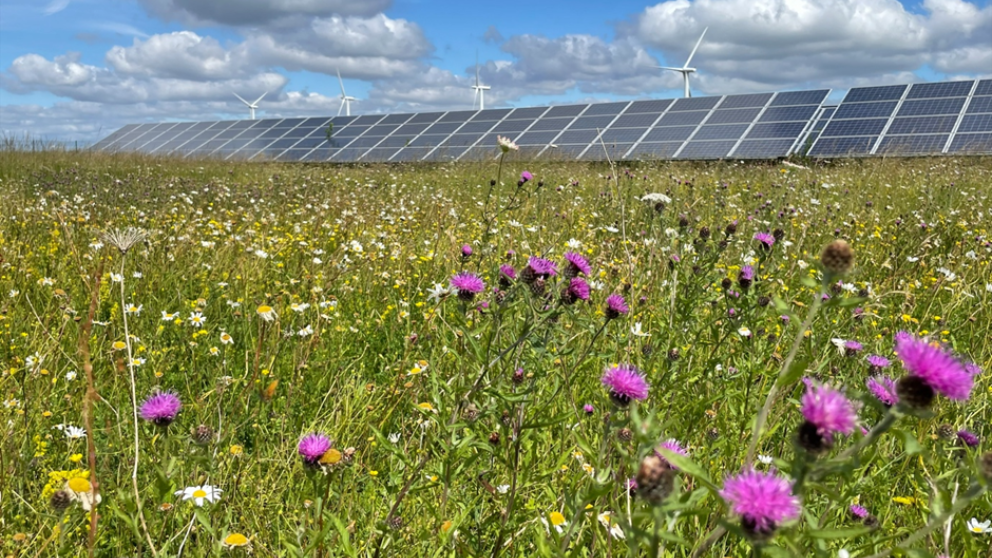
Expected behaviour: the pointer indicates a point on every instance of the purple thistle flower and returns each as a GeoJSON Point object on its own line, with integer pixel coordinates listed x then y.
{"type": "Point", "coordinates": [625, 383]}
{"type": "Point", "coordinates": [968, 438]}
{"type": "Point", "coordinates": [526, 177]}
{"type": "Point", "coordinates": [542, 267]}
{"type": "Point", "coordinates": [877, 362]}
{"type": "Point", "coordinates": [576, 265]}
{"type": "Point", "coordinates": [673, 446]}
{"type": "Point", "coordinates": [466, 250]}
{"type": "Point", "coordinates": [884, 389]}
{"type": "Point", "coordinates": [507, 271]}
{"type": "Point", "coordinates": [852, 348]}
{"type": "Point", "coordinates": [747, 272]}
{"type": "Point", "coordinates": [972, 369]}
{"type": "Point", "coordinates": [829, 410]}
{"type": "Point", "coordinates": [631, 486]}
{"type": "Point", "coordinates": [858, 511]}
{"type": "Point", "coordinates": [578, 289]}
{"type": "Point", "coordinates": [616, 306]}
{"type": "Point", "coordinates": [161, 408]}
{"type": "Point", "coordinates": [312, 447]}
{"type": "Point", "coordinates": [902, 336]}
{"type": "Point", "coordinates": [935, 367]}
{"type": "Point", "coordinates": [468, 285]}
{"type": "Point", "coordinates": [589, 409]}
{"type": "Point", "coordinates": [763, 500]}
{"type": "Point", "coordinates": [784, 318]}
{"type": "Point", "coordinates": [766, 240]}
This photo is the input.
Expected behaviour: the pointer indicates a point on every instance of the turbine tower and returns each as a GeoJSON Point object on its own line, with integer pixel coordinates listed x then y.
{"type": "Point", "coordinates": [251, 106]}
{"type": "Point", "coordinates": [685, 70]}
{"type": "Point", "coordinates": [480, 90]}
{"type": "Point", "coordinates": [345, 98]}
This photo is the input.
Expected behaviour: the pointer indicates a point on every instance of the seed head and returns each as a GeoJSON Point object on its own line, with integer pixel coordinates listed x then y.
{"type": "Point", "coordinates": [655, 479]}
{"type": "Point", "coordinates": [203, 434]}
{"type": "Point", "coordinates": [837, 257]}
{"type": "Point", "coordinates": [60, 500]}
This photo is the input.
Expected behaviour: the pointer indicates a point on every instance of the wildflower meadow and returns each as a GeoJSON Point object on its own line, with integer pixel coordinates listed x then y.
{"type": "Point", "coordinates": [510, 358]}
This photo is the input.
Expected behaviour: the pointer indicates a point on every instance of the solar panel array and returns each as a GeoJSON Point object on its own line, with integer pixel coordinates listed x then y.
{"type": "Point", "coordinates": [944, 117]}
{"type": "Point", "coordinates": [918, 119]}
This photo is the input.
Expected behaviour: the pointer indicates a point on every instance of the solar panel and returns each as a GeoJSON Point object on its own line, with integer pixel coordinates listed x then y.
{"type": "Point", "coordinates": [922, 118]}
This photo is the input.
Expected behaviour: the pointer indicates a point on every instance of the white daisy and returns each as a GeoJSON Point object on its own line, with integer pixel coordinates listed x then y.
{"type": "Point", "coordinates": [199, 494]}
{"type": "Point", "coordinates": [82, 490]}
{"type": "Point", "coordinates": [196, 319]}
{"type": "Point", "coordinates": [168, 316]}
{"type": "Point", "coordinates": [637, 332]}
{"type": "Point", "coordinates": [979, 527]}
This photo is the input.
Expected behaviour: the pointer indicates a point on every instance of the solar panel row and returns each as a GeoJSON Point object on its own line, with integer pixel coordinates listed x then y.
{"type": "Point", "coordinates": [763, 125]}
{"type": "Point", "coordinates": [918, 119]}
{"type": "Point", "coordinates": [923, 118]}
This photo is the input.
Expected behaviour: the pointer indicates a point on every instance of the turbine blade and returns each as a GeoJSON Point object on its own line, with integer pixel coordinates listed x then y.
{"type": "Point", "coordinates": [669, 68]}
{"type": "Point", "coordinates": [691, 54]}
{"type": "Point", "coordinates": [476, 68]}
{"type": "Point", "coordinates": [241, 98]}
{"type": "Point", "coordinates": [260, 98]}
{"type": "Point", "coordinates": [341, 82]}
{"type": "Point", "coordinates": [340, 108]}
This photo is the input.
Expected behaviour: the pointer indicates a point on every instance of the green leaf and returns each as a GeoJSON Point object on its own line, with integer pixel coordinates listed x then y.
{"type": "Point", "coordinates": [689, 467]}
{"type": "Point", "coordinates": [809, 282]}
{"type": "Point", "coordinates": [846, 533]}
{"type": "Point", "coordinates": [911, 444]}
{"type": "Point", "coordinates": [794, 372]}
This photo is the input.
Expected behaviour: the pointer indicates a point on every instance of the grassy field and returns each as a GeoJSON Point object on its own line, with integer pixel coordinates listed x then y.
{"type": "Point", "coordinates": [278, 301]}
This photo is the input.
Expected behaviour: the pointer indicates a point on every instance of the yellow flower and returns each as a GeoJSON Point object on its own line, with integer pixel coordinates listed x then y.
{"type": "Point", "coordinates": [76, 457]}
{"type": "Point", "coordinates": [446, 526]}
{"type": "Point", "coordinates": [330, 457]}
{"type": "Point", "coordinates": [236, 450]}
{"type": "Point", "coordinates": [557, 519]}
{"type": "Point", "coordinates": [904, 500]}
{"type": "Point", "coordinates": [235, 540]}
{"type": "Point", "coordinates": [426, 406]}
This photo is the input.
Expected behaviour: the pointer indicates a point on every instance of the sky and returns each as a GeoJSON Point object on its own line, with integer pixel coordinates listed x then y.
{"type": "Point", "coordinates": [76, 70]}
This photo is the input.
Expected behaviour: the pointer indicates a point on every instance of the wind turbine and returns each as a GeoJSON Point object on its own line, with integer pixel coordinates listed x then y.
{"type": "Point", "coordinates": [251, 106]}
{"type": "Point", "coordinates": [345, 98]}
{"type": "Point", "coordinates": [480, 90]}
{"type": "Point", "coordinates": [685, 70]}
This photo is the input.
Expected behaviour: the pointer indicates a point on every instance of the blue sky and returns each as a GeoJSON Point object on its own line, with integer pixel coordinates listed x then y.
{"type": "Point", "coordinates": [74, 70]}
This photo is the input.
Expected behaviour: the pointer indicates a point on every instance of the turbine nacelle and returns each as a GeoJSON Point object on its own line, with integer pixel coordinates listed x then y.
{"type": "Point", "coordinates": [345, 98]}
{"type": "Point", "coordinates": [251, 106]}
{"type": "Point", "coordinates": [685, 70]}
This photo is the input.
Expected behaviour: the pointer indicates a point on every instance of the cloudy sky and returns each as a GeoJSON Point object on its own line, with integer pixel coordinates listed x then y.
{"type": "Point", "coordinates": [75, 70]}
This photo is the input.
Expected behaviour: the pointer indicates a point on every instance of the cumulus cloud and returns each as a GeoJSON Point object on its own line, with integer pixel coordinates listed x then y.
{"type": "Point", "coordinates": [778, 43]}
{"type": "Point", "coordinates": [180, 55]}
{"type": "Point", "coordinates": [258, 12]}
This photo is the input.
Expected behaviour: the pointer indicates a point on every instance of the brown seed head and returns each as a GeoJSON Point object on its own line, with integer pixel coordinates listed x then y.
{"type": "Point", "coordinates": [837, 257]}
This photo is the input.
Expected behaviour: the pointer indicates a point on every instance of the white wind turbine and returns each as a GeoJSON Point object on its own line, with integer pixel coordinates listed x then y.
{"type": "Point", "coordinates": [251, 106]}
{"type": "Point", "coordinates": [345, 98]}
{"type": "Point", "coordinates": [480, 90]}
{"type": "Point", "coordinates": [685, 70]}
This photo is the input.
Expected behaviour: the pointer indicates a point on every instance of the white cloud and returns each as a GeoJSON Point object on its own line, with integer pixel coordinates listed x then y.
{"type": "Point", "coordinates": [258, 12]}
{"type": "Point", "coordinates": [180, 55]}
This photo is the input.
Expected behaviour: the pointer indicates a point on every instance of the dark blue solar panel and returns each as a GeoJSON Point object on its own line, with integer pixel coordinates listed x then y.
{"type": "Point", "coordinates": [634, 120]}
{"type": "Point", "coordinates": [462, 140]}
{"type": "Point", "coordinates": [971, 143]}
{"type": "Point", "coordinates": [379, 154]}
{"type": "Point", "coordinates": [730, 131]}
{"type": "Point", "coordinates": [942, 89]}
{"type": "Point", "coordinates": [855, 127]}
{"type": "Point", "coordinates": [428, 140]}
{"type": "Point", "coordinates": [864, 110]}
{"type": "Point", "coordinates": [457, 116]}
{"type": "Point", "coordinates": [511, 126]}
{"type": "Point", "coordinates": [733, 116]}
{"type": "Point", "coordinates": [763, 149]}
{"type": "Point", "coordinates": [566, 110]}
{"type": "Point", "coordinates": [490, 115]}
{"type": "Point", "coordinates": [119, 134]}
{"type": "Point", "coordinates": [884, 93]}
{"type": "Point", "coordinates": [789, 98]}
{"type": "Point", "coordinates": [670, 133]}
{"type": "Point", "coordinates": [536, 138]}
{"type": "Point", "coordinates": [745, 101]}
{"type": "Point", "coordinates": [912, 145]}
{"type": "Point", "coordinates": [396, 141]}
{"type": "Point", "coordinates": [786, 114]}
{"type": "Point", "coordinates": [414, 129]}
{"type": "Point", "coordinates": [443, 128]}
{"type": "Point", "coordinates": [628, 135]}
{"type": "Point", "coordinates": [411, 154]}
{"type": "Point", "coordinates": [395, 118]}
{"type": "Point", "coordinates": [706, 149]}
{"type": "Point", "coordinates": [476, 127]}
{"type": "Point", "coordinates": [605, 109]}
{"type": "Point", "coordinates": [979, 104]}
{"type": "Point", "coordinates": [425, 117]}
{"type": "Point", "coordinates": [655, 106]}
{"type": "Point", "coordinates": [577, 136]}
{"type": "Point", "coordinates": [551, 124]}
{"type": "Point", "coordinates": [591, 122]}
{"type": "Point", "coordinates": [529, 113]}
{"type": "Point", "coordinates": [984, 87]}
{"type": "Point", "coordinates": [931, 107]}
{"type": "Point", "coordinates": [614, 150]}
{"type": "Point", "coordinates": [682, 118]}
{"type": "Point", "coordinates": [976, 123]}
{"type": "Point", "coordinates": [776, 130]}
{"type": "Point", "coordinates": [835, 147]}
{"type": "Point", "coordinates": [694, 103]}
{"type": "Point", "coordinates": [922, 125]}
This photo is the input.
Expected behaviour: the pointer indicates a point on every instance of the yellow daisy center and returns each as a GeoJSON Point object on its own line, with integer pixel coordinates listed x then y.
{"type": "Point", "coordinates": [264, 309]}
{"type": "Point", "coordinates": [118, 345]}
{"type": "Point", "coordinates": [199, 493]}
{"type": "Point", "coordinates": [79, 485]}
{"type": "Point", "coordinates": [235, 539]}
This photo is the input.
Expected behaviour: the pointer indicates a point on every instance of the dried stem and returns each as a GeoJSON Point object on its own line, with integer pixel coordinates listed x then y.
{"type": "Point", "coordinates": [84, 351]}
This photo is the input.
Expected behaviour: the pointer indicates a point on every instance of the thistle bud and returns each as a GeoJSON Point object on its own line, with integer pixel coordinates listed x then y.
{"type": "Point", "coordinates": [655, 479]}
{"type": "Point", "coordinates": [837, 257]}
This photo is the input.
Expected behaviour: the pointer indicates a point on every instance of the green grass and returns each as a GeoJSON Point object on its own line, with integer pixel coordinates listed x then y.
{"type": "Point", "coordinates": [480, 458]}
